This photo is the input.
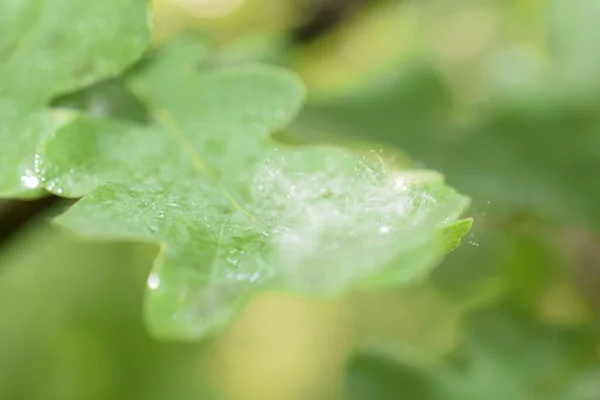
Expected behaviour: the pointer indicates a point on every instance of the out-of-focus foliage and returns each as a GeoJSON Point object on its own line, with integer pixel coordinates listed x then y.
{"type": "Point", "coordinates": [500, 96]}
{"type": "Point", "coordinates": [504, 356]}
{"type": "Point", "coordinates": [513, 121]}
{"type": "Point", "coordinates": [531, 142]}
{"type": "Point", "coordinates": [72, 328]}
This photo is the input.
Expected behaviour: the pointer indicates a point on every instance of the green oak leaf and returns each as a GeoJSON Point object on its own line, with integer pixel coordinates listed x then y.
{"type": "Point", "coordinates": [234, 211]}
{"type": "Point", "coordinates": [50, 48]}
{"type": "Point", "coordinates": [503, 356]}
{"type": "Point", "coordinates": [108, 98]}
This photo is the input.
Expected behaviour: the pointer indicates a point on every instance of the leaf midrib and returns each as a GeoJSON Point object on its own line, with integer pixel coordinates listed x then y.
{"type": "Point", "coordinates": [170, 125]}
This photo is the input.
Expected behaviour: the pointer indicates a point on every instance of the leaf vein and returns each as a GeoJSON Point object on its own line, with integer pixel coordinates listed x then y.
{"type": "Point", "coordinates": [164, 117]}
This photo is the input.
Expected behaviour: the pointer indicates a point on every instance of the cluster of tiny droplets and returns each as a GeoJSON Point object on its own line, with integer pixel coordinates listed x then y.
{"type": "Point", "coordinates": [311, 210]}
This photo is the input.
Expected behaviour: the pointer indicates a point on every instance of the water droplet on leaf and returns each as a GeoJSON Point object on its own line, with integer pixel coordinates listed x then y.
{"type": "Point", "coordinates": [153, 281]}
{"type": "Point", "coordinates": [30, 180]}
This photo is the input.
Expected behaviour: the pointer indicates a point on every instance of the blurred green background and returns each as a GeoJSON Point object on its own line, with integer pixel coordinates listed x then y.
{"type": "Point", "coordinates": [501, 96]}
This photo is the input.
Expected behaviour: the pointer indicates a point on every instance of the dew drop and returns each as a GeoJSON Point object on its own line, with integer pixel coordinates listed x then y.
{"type": "Point", "coordinates": [30, 180]}
{"type": "Point", "coordinates": [153, 281]}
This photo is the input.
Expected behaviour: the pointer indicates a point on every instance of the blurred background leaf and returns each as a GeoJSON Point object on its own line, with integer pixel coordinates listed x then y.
{"type": "Point", "coordinates": [504, 355]}
{"type": "Point", "coordinates": [500, 96]}
{"type": "Point", "coordinates": [72, 324]}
